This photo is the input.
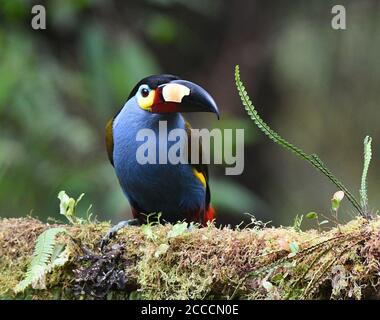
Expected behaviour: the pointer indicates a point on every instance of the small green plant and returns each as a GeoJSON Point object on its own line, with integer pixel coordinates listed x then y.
{"type": "Point", "coordinates": [315, 216]}
{"type": "Point", "coordinates": [151, 220]}
{"type": "Point", "coordinates": [335, 204]}
{"type": "Point", "coordinates": [297, 222]}
{"type": "Point", "coordinates": [363, 185]}
{"type": "Point", "coordinates": [313, 159]}
{"type": "Point", "coordinates": [68, 206]}
{"type": "Point", "coordinates": [42, 261]}
{"type": "Point", "coordinates": [254, 224]}
{"type": "Point", "coordinates": [47, 253]}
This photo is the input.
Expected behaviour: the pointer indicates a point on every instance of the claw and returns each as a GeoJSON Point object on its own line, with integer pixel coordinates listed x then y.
{"type": "Point", "coordinates": [112, 232]}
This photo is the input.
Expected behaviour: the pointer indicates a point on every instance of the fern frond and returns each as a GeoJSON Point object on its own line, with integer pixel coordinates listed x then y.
{"type": "Point", "coordinates": [274, 136]}
{"type": "Point", "coordinates": [43, 251]}
{"type": "Point", "coordinates": [367, 161]}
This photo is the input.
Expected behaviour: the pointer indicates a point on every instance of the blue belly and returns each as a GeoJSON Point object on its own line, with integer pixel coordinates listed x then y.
{"type": "Point", "coordinates": [171, 189]}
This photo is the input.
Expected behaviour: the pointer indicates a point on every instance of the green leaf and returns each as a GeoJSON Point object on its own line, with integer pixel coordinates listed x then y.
{"type": "Point", "coordinates": [79, 198]}
{"type": "Point", "coordinates": [67, 206]}
{"type": "Point", "coordinates": [177, 230]}
{"type": "Point", "coordinates": [367, 160]}
{"type": "Point", "coordinates": [312, 215]}
{"type": "Point", "coordinates": [336, 200]}
{"type": "Point", "coordinates": [41, 261]}
{"type": "Point", "coordinates": [335, 204]}
{"type": "Point", "coordinates": [313, 159]}
{"type": "Point", "coordinates": [64, 206]}
{"type": "Point", "coordinates": [297, 222]}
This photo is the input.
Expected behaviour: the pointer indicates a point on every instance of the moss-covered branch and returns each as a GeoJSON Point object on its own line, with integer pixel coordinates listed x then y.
{"type": "Point", "coordinates": [170, 262]}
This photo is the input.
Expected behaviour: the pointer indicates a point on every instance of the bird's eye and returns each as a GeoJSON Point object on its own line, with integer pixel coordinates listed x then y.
{"type": "Point", "coordinates": [145, 92]}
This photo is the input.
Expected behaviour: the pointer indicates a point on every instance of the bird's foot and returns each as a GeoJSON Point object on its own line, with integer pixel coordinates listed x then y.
{"type": "Point", "coordinates": [112, 232]}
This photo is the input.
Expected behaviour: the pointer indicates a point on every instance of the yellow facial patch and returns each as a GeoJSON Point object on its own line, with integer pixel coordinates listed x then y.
{"type": "Point", "coordinates": [146, 102]}
{"type": "Point", "coordinates": [200, 177]}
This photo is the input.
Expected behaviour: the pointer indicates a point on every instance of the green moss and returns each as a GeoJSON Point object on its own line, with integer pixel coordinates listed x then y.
{"type": "Point", "coordinates": [159, 262]}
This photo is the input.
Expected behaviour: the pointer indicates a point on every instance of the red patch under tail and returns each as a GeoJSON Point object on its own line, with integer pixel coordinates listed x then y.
{"type": "Point", "coordinates": [201, 217]}
{"type": "Point", "coordinates": [209, 215]}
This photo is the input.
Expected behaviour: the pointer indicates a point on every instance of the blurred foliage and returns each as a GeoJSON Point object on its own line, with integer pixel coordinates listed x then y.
{"type": "Point", "coordinates": [58, 87]}
{"type": "Point", "coordinates": [328, 81]}
{"type": "Point", "coordinates": [56, 97]}
{"type": "Point", "coordinates": [53, 113]}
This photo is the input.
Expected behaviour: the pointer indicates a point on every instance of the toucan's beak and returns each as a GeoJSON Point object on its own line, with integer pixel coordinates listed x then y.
{"type": "Point", "coordinates": [184, 96]}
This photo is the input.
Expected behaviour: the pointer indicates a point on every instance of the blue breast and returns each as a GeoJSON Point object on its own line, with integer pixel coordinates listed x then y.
{"type": "Point", "coordinates": [171, 189]}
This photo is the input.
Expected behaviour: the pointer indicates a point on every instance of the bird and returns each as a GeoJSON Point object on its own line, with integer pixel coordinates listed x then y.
{"type": "Point", "coordinates": [178, 192]}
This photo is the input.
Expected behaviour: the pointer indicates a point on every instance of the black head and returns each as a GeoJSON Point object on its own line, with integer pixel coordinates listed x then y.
{"type": "Point", "coordinates": [153, 82]}
{"type": "Point", "coordinates": [167, 93]}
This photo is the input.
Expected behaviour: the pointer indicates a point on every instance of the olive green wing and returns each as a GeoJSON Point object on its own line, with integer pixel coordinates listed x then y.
{"type": "Point", "coordinates": [109, 140]}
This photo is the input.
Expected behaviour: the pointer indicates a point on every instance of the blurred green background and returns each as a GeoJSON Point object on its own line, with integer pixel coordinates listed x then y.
{"type": "Point", "coordinates": [318, 87]}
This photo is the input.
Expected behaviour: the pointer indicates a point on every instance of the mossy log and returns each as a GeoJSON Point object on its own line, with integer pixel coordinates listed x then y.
{"type": "Point", "coordinates": [153, 262]}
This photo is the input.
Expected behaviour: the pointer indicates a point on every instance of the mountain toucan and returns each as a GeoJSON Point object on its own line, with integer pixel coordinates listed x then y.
{"type": "Point", "coordinates": [178, 191]}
